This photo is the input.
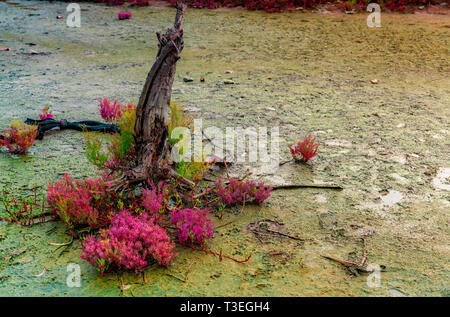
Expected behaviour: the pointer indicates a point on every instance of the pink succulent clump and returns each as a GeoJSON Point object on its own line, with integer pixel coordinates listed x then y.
{"type": "Point", "coordinates": [19, 137]}
{"type": "Point", "coordinates": [129, 243]}
{"type": "Point", "coordinates": [193, 225]}
{"type": "Point", "coordinates": [110, 112]}
{"type": "Point", "coordinates": [45, 113]}
{"type": "Point", "coordinates": [237, 192]}
{"type": "Point", "coordinates": [80, 203]}
{"type": "Point", "coordinates": [303, 151]}
{"type": "Point", "coordinates": [124, 15]}
{"type": "Point", "coordinates": [129, 107]}
{"type": "Point", "coordinates": [112, 163]}
{"type": "Point", "coordinates": [155, 198]}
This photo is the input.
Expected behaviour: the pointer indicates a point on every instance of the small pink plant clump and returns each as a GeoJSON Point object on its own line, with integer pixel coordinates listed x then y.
{"type": "Point", "coordinates": [46, 114]}
{"type": "Point", "coordinates": [303, 151]}
{"type": "Point", "coordinates": [237, 192]}
{"type": "Point", "coordinates": [210, 4]}
{"type": "Point", "coordinates": [108, 111]}
{"type": "Point", "coordinates": [193, 225]}
{"type": "Point", "coordinates": [155, 198]}
{"type": "Point", "coordinates": [19, 137]}
{"type": "Point", "coordinates": [124, 15]}
{"type": "Point", "coordinates": [112, 163]}
{"type": "Point", "coordinates": [80, 203]}
{"type": "Point", "coordinates": [128, 243]}
{"type": "Point", "coordinates": [113, 111]}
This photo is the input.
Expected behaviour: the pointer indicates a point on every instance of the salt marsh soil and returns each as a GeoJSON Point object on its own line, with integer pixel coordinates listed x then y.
{"type": "Point", "coordinates": [387, 144]}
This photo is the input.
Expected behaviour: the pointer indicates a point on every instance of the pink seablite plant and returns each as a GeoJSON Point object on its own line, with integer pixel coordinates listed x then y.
{"type": "Point", "coordinates": [155, 198]}
{"type": "Point", "coordinates": [128, 243]}
{"type": "Point", "coordinates": [112, 112]}
{"type": "Point", "coordinates": [124, 15]}
{"type": "Point", "coordinates": [237, 192]}
{"type": "Point", "coordinates": [83, 202]}
{"type": "Point", "coordinates": [303, 151]}
{"type": "Point", "coordinates": [108, 111]}
{"type": "Point", "coordinates": [193, 225]}
{"type": "Point", "coordinates": [19, 137]}
{"type": "Point", "coordinates": [112, 163]}
{"type": "Point", "coordinates": [45, 113]}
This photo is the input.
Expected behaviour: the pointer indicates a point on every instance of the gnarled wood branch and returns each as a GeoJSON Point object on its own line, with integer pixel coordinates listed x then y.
{"type": "Point", "coordinates": [151, 129]}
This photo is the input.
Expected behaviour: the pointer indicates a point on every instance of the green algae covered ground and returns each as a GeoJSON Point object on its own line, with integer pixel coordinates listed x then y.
{"type": "Point", "coordinates": [387, 144]}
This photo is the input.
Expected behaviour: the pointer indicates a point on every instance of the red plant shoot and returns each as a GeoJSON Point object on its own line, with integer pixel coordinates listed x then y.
{"type": "Point", "coordinates": [46, 114]}
{"type": "Point", "coordinates": [238, 192]}
{"type": "Point", "coordinates": [108, 111]}
{"type": "Point", "coordinates": [19, 137]}
{"type": "Point", "coordinates": [128, 243]}
{"type": "Point", "coordinates": [304, 151]}
{"type": "Point", "coordinates": [23, 211]}
{"type": "Point", "coordinates": [124, 15]}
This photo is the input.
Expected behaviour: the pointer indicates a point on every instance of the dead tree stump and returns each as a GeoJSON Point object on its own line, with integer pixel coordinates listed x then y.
{"type": "Point", "coordinates": [152, 148]}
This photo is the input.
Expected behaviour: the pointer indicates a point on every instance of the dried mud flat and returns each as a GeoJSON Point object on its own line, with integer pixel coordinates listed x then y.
{"type": "Point", "coordinates": [387, 144]}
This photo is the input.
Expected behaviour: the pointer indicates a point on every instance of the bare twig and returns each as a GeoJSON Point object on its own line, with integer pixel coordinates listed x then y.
{"type": "Point", "coordinates": [178, 278]}
{"type": "Point", "coordinates": [286, 235]}
{"type": "Point", "coordinates": [294, 186]}
{"type": "Point", "coordinates": [185, 278]}
{"type": "Point", "coordinates": [343, 262]}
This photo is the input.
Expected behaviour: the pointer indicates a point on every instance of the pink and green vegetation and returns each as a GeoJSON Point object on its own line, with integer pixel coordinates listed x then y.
{"type": "Point", "coordinates": [118, 148]}
{"type": "Point", "coordinates": [46, 114]}
{"type": "Point", "coordinates": [19, 137]}
{"type": "Point", "coordinates": [112, 112]}
{"type": "Point", "coordinates": [129, 243]}
{"type": "Point", "coordinates": [124, 15]}
{"type": "Point", "coordinates": [192, 170]}
{"type": "Point", "coordinates": [156, 198]}
{"type": "Point", "coordinates": [162, 207]}
{"type": "Point", "coordinates": [25, 211]}
{"type": "Point", "coordinates": [79, 203]}
{"type": "Point", "coordinates": [123, 231]}
{"type": "Point", "coordinates": [121, 145]}
{"type": "Point", "coordinates": [274, 6]}
{"type": "Point", "coordinates": [140, 231]}
{"type": "Point", "coordinates": [304, 151]}
{"type": "Point", "coordinates": [193, 225]}
{"type": "Point", "coordinates": [237, 192]}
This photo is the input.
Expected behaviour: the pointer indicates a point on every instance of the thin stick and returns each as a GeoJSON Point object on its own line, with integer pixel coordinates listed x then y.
{"type": "Point", "coordinates": [178, 278]}
{"type": "Point", "coordinates": [286, 235]}
{"type": "Point", "coordinates": [285, 162]}
{"type": "Point", "coordinates": [343, 262]}
{"type": "Point", "coordinates": [225, 224]}
{"type": "Point", "coordinates": [188, 270]}
{"type": "Point", "coordinates": [364, 258]}
{"type": "Point", "coordinates": [123, 286]}
{"type": "Point", "coordinates": [226, 167]}
{"type": "Point", "coordinates": [276, 187]}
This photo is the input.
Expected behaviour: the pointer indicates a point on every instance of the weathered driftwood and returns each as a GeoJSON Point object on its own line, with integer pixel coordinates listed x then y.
{"type": "Point", "coordinates": [87, 125]}
{"type": "Point", "coordinates": [151, 129]}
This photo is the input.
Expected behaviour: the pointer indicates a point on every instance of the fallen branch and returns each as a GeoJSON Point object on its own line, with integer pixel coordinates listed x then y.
{"type": "Point", "coordinates": [276, 187]}
{"type": "Point", "coordinates": [343, 262]}
{"type": "Point", "coordinates": [184, 280]}
{"type": "Point", "coordinates": [286, 235]}
{"type": "Point", "coordinates": [87, 125]}
{"type": "Point", "coordinates": [353, 266]}
{"type": "Point", "coordinates": [15, 254]}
